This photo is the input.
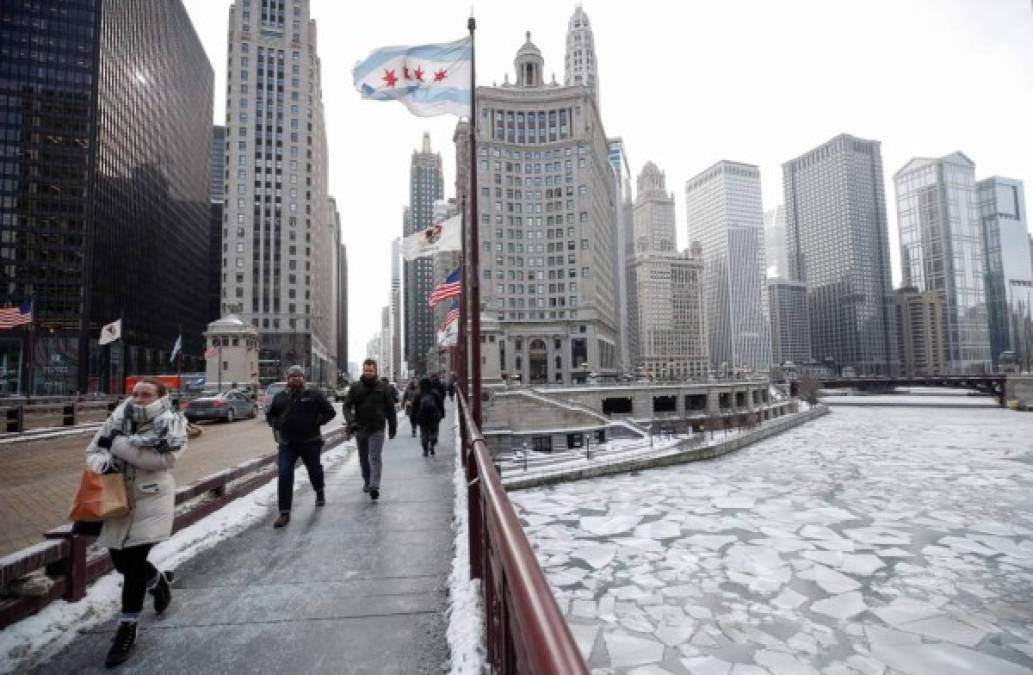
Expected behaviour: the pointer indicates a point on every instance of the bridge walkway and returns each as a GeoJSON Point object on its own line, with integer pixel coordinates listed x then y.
{"type": "Point", "coordinates": [353, 587]}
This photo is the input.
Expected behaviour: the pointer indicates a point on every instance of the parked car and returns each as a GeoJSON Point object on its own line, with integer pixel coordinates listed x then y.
{"type": "Point", "coordinates": [226, 406]}
{"type": "Point", "coordinates": [271, 391]}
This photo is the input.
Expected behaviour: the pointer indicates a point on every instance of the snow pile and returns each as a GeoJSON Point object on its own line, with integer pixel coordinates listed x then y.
{"type": "Point", "coordinates": [465, 613]}
{"type": "Point", "coordinates": [36, 638]}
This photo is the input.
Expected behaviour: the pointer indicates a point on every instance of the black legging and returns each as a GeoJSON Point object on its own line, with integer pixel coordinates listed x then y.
{"type": "Point", "coordinates": [132, 562]}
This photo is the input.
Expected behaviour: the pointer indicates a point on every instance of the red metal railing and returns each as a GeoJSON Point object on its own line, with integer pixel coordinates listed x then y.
{"type": "Point", "coordinates": [525, 630]}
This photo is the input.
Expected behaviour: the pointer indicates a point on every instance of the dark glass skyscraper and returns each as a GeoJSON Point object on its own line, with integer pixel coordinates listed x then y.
{"type": "Point", "coordinates": [838, 245]}
{"type": "Point", "coordinates": [426, 185]}
{"type": "Point", "coordinates": [105, 133]}
{"type": "Point", "coordinates": [216, 194]}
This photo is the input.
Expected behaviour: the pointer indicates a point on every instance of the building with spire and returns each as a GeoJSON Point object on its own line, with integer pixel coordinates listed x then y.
{"type": "Point", "coordinates": [547, 225]}
{"type": "Point", "coordinates": [667, 324]}
{"type": "Point", "coordinates": [581, 68]}
{"type": "Point", "coordinates": [426, 185]}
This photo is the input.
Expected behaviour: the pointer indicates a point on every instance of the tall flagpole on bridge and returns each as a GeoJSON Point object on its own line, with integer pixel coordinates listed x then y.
{"type": "Point", "coordinates": [473, 275]}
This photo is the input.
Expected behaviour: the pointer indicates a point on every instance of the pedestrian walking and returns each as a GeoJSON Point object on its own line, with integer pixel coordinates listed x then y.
{"type": "Point", "coordinates": [452, 387]}
{"type": "Point", "coordinates": [430, 409]}
{"type": "Point", "coordinates": [408, 401]}
{"type": "Point", "coordinates": [439, 386]}
{"type": "Point", "coordinates": [368, 408]}
{"type": "Point", "coordinates": [141, 440]}
{"type": "Point", "coordinates": [295, 414]}
{"type": "Point", "coordinates": [391, 389]}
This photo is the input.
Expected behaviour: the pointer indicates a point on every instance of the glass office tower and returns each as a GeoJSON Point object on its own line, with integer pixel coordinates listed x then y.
{"type": "Point", "coordinates": [941, 249]}
{"type": "Point", "coordinates": [105, 126]}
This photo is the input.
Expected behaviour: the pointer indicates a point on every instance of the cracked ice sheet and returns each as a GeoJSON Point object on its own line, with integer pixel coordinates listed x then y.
{"type": "Point", "coordinates": [853, 485]}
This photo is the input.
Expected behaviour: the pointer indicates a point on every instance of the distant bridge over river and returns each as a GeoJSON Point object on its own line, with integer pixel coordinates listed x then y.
{"type": "Point", "coordinates": [991, 385]}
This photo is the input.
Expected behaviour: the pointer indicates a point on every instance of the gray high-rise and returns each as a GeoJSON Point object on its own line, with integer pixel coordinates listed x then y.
{"type": "Point", "coordinates": [278, 238]}
{"type": "Point", "coordinates": [838, 242]}
{"type": "Point", "coordinates": [790, 322]}
{"type": "Point", "coordinates": [426, 185]}
{"type": "Point", "coordinates": [1009, 269]}
{"type": "Point", "coordinates": [725, 216]}
{"type": "Point", "coordinates": [625, 250]}
{"type": "Point", "coordinates": [941, 249]}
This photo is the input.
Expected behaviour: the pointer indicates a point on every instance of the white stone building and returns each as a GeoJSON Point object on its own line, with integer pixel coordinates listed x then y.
{"type": "Point", "coordinates": [724, 214]}
{"type": "Point", "coordinates": [547, 226]}
{"type": "Point", "coordinates": [235, 360]}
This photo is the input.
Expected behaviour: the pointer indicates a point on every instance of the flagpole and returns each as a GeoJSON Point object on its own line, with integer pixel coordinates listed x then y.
{"type": "Point", "coordinates": [461, 365]}
{"type": "Point", "coordinates": [32, 349]}
{"type": "Point", "coordinates": [474, 276]}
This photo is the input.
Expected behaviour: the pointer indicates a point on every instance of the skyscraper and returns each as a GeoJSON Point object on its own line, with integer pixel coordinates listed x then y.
{"type": "Point", "coordinates": [278, 232]}
{"type": "Point", "coordinates": [105, 146]}
{"type": "Point", "coordinates": [217, 195]}
{"type": "Point", "coordinates": [920, 326]}
{"type": "Point", "coordinates": [580, 67]}
{"type": "Point", "coordinates": [941, 249]}
{"type": "Point", "coordinates": [790, 322]}
{"type": "Point", "coordinates": [548, 218]}
{"type": "Point", "coordinates": [653, 216]}
{"type": "Point", "coordinates": [725, 216]}
{"type": "Point", "coordinates": [775, 253]}
{"type": "Point", "coordinates": [625, 250]}
{"type": "Point", "coordinates": [548, 215]}
{"type": "Point", "coordinates": [343, 364]}
{"type": "Point", "coordinates": [1009, 268]}
{"type": "Point", "coordinates": [667, 322]}
{"type": "Point", "coordinates": [838, 245]}
{"type": "Point", "coordinates": [396, 306]}
{"type": "Point", "coordinates": [426, 185]}
{"type": "Point", "coordinates": [340, 297]}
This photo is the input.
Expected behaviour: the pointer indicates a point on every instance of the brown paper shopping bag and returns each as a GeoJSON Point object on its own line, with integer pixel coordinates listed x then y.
{"type": "Point", "coordinates": [100, 496]}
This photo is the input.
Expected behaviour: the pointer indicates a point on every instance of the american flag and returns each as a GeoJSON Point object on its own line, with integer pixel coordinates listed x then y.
{"type": "Point", "coordinates": [211, 353]}
{"type": "Point", "coordinates": [11, 317]}
{"type": "Point", "coordinates": [451, 287]}
{"type": "Point", "coordinates": [452, 315]}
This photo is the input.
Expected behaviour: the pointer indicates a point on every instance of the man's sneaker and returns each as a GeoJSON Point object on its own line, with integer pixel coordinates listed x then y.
{"type": "Point", "coordinates": [374, 493]}
{"type": "Point", "coordinates": [320, 499]}
{"type": "Point", "coordinates": [162, 592]}
{"type": "Point", "coordinates": [283, 519]}
{"type": "Point", "coordinates": [121, 644]}
{"type": "Point", "coordinates": [365, 487]}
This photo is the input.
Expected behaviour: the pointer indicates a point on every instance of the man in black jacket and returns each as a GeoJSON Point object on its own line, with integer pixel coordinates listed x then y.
{"type": "Point", "coordinates": [295, 415]}
{"type": "Point", "coordinates": [368, 406]}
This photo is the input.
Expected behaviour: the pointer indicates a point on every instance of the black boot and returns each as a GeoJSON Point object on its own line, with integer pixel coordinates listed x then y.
{"type": "Point", "coordinates": [121, 644]}
{"type": "Point", "coordinates": [282, 520]}
{"type": "Point", "coordinates": [162, 592]}
{"type": "Point", "coordinates": [320, 498]}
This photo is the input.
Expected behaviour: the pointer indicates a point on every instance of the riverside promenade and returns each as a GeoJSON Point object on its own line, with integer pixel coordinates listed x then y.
{"type": "Point", "coordinates": [353, 587]}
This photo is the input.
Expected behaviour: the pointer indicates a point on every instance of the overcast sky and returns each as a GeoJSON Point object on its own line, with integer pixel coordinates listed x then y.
{"type": "Point", "coordinates": [685, 84]}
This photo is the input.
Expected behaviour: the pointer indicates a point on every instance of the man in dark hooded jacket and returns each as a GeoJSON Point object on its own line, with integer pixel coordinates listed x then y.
{"type": "Point", "coordinates": [368, 408]}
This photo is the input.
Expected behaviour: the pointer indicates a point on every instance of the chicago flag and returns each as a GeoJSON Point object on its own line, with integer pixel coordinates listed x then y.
{"type": "Point", "coordinates": [428, 79]}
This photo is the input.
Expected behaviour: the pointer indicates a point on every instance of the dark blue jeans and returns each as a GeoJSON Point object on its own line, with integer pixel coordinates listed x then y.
{"type": "Point", "coordinates": [289, 454]}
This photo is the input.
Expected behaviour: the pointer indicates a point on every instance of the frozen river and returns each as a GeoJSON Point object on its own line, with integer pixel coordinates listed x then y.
{"type": "Point", "coordinates": [873, 540]}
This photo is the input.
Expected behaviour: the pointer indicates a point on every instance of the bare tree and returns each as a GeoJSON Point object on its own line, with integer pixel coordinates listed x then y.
{"type": "Point", "coordinates": [807, 388]}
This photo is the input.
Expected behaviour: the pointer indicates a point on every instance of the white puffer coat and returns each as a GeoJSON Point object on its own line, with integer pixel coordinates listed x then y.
{"type": "Point", "coordinates": [150, 487]}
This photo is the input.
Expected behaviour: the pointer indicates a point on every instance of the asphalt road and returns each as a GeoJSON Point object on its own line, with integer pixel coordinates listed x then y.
{"type": "Point", "coordinates": [39, 478]}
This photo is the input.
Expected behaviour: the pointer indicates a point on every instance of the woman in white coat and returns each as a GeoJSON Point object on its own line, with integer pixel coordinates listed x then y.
{"type": "Point", "coordinates": [142, 439]}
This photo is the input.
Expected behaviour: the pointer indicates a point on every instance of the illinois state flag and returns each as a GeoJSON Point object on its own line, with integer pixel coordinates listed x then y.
{"type": "Point", "coordinates": [428, 79]}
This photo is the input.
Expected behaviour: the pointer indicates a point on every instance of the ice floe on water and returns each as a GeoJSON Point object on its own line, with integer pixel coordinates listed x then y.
{"type": "Point", "coordinates": [873, 541]}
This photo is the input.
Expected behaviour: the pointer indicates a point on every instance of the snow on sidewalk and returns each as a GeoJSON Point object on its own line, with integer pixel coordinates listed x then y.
{"type": "Point", "coordinates": [35, 639]}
